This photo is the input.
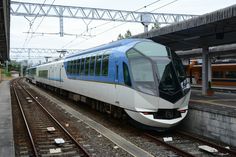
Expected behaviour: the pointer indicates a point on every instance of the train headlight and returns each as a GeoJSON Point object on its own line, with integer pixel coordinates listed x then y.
{"type": "Point", "coordinates": [182, 111]}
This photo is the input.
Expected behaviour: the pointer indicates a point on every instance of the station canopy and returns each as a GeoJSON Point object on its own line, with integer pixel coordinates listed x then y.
{"type": "Point", "coordinates": [4, 29]}
{"type": "Point", "coordinates": [211, 29]}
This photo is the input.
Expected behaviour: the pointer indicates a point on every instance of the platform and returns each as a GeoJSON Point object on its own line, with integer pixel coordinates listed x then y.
{"type": "Point", "coordinates": [6, 127]}
{"type": "Point", "coordinates": [212, 116]}
{"type": "Point", "coordinates": [222, 103]}
{"type": "Point", "coordinates": [218, 88]}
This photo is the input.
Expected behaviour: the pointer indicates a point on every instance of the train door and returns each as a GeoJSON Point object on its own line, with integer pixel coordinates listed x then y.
{"type": "Point", "coordinates": [117, 83]}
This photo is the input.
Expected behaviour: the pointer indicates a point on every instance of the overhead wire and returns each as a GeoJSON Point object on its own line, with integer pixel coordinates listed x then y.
{"type": "Point", "coordinates": [33, 32]}
{"type": "Point", "coordinates": [134, 11]}
{"type": "Point", "coordinates": [126, 22]}
{"type": "Point", "coordinates": [43, 18]}
{"type": "Point", "coordinates": [32, 22]}
{"type": "Point", "coordinates": [164, 5]}
{"type": "Point", "coordinates": [110, 22]}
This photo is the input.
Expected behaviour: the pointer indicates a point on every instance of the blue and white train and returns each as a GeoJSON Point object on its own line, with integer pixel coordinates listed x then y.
{"type": "Point", "coordinates": [139, 77]}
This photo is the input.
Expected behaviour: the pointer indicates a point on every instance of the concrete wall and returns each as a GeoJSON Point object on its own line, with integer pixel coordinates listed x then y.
{"type": "Point", "coordinates": [211, 124]}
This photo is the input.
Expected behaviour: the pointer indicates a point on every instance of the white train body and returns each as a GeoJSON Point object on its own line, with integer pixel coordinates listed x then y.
{"type": "Point", "coordinates": [144, 106]}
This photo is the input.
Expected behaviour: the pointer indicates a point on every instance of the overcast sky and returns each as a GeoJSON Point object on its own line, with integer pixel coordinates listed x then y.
{"type": "Point", "coordinates": [19, 25]}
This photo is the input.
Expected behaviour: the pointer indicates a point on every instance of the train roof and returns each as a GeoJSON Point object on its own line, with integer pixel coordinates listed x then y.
{"type": "Point", "coordinates": [32, 67]}
{"type": "Point", "coordinates": [114, 44]}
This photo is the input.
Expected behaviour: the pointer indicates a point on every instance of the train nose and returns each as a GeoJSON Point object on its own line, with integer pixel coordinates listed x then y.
{"type": "Point", "coordinates": [169, 114]}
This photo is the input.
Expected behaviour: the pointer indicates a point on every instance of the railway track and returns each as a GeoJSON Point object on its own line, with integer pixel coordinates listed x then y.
{"type": "Point", "coordinates": [187, 141]}
{"type": "Point", "coordinates": [186, 145]}
{"type": "Point", "coordinates": [219, 147]}
{"type": "Point", "coordinates": [46, 135]}
{"type": "Point", "coordinates": [173, 148]}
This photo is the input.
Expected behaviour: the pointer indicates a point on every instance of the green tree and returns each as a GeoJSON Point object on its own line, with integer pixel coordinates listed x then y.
{"type": "Point", "coordinates": [127, 35]}
{"type": "Point", "coordinates": [120, 37]}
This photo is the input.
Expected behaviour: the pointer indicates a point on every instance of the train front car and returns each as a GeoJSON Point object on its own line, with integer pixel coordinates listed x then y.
{"type": "Point", "coordinates": [161, 89]}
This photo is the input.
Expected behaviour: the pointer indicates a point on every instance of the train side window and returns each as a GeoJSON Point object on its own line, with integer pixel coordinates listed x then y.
{"type": "Point", "coordinates": [43, 73]}
{"type": "Point", "coordinates": [127, 79]}
{"type": "Point", "coordinates": [69, 67]}
{"type": "Point", "coordinates": [74, 67]}
{"type": "Point", "coordinates": [230, 74]}
{"type": "Point", "coordinates": [98, 65]}
{"type": "Point", "coordinates": [105, 62]}
{"type": "Point", "coordinates": [77, 66]}
{"type": "Point", "coordinates": [92, 61]}
{"type": "Point", "coordinates": [82, 66]}
{"type": "Point", "coordinates": [217, 74]}
{"type": "Point", "coordinates": [87, 66]}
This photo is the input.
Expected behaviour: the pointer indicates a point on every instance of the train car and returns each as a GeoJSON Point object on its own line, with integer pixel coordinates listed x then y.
{"type": "Point", "coordinates": [30, 74]}
{"type": "Point", "coordinates": [138, 77]}
{"type": "Point", "coordinates": [223, 74]}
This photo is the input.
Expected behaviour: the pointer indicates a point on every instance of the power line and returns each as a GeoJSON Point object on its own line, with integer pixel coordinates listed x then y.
{"type": "Point", "coordinates": [148, 5]}
{"type": "Point", "coordinates": [144, 6]}
{"type": "Point", "coordinates": [42, 19]}
{"type": "Point", "coordinates": [108, 23]}
{"type": "Point", "coordinates": [164, 5]}
{"type": "Point", "coordinates": [33, 32]}
{"type": "Point", "coordinates": [126, 22]}
{"type": "Point", "coordinates": [32, 22]}
{"type": "Point", "coordinates": [134, 10]}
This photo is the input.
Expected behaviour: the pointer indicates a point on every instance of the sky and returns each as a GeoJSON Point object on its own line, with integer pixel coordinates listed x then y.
{"type": "Point", "coordinates": [101, 34]}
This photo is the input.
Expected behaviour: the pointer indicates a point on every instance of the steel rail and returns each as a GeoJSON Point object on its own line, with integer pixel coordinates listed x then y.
{"type": "Point", "coordinates": [26, 123]}
{"type": "Point", "coordinates": [171, 147]}
{"type": "Point", "coordinates": [220, 148]}
{"type": "Point", "coordinates": [58, 123]}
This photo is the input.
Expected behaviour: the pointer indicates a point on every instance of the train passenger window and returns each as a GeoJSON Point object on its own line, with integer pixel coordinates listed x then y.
{"type": "Point", "coordinates": [86, 71]}
{"type": "Point", "coordinates": [142, 72]}
{"type": "Point", "coordinates": [74, 67]}
{"type": "Point", "coordinates": [127, 80]}
{"type": "Point", "coordinates": [98, 65]}
{"type": "Point", "coordinates": [105, 62]}
{"type": "Point", "coordinates": [217, 74]}
{"type": "Point", "coordinates": [43, 73]}
{"type": "Point", "coordinates": [82, 66]}
{"type": "Point", "coordinates": [92, 61]}
{"type": "Point", "coordinates": [77, 66]}
{"type": "Point", "coordinates": [230, 74]}
{"type": "Point", "coordinates": [69, 67]}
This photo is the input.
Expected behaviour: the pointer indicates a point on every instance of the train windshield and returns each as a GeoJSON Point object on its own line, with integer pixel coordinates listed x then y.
{"type": "Point", "coordinates": [142, 72]}
{"type": "Point", "coordinates": [151, 61]}
{"type": "Point", "coordinates": [151, 49]}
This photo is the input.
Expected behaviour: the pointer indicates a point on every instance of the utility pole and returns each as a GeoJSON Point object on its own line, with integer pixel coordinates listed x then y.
{"type": "Point", "coordinates": [146, 20]}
